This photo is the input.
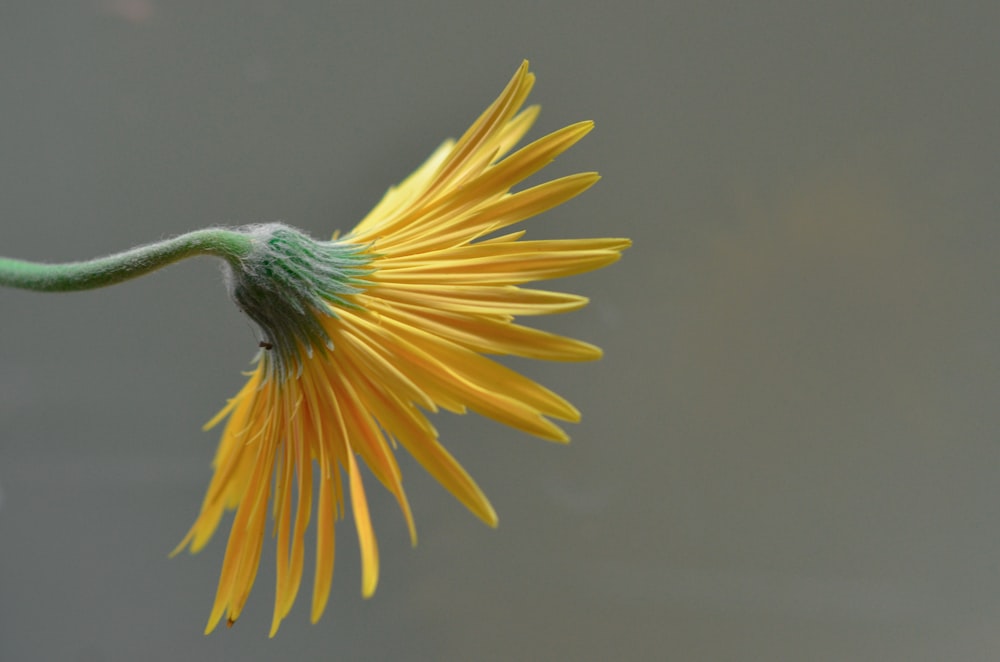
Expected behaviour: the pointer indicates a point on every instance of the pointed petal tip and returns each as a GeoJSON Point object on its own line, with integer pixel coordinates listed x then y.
{"type": "Point", "coordinates": [192, 541]}
{"type": "Point", "coordinates": [413, 536]}
{"type": "Point", "coordinates": [616, 244]}
{"type": "Point", "coordinates": [178, 549]}
{"type": "Point", "coordinates": [578, 129]}
{"type": "Point", "coordinates": [555, 433]}
{"type": "Point", "coordinates": [584, 351]}
{"type": "Point", "coordinates": [215, 616]}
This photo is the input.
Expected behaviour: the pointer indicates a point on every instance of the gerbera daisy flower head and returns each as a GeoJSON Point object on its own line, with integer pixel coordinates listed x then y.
{"type": "Point", "coordinates": [367, 334]}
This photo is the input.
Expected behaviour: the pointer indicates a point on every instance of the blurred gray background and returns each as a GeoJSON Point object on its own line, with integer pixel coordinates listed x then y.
{"type": "Point", "coordinates": [789, 452]}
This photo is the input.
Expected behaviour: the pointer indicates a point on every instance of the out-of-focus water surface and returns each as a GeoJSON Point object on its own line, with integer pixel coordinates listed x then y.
{"type": "Point", "coordinates": [789, 452]}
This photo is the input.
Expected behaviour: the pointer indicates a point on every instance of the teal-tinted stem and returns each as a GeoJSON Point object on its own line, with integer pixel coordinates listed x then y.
{"type": "Point", "coordinates": [231, 245]}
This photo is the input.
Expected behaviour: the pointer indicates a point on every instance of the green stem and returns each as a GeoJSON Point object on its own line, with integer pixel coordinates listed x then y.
{"type": "Point", "coordinates": [231, 245]}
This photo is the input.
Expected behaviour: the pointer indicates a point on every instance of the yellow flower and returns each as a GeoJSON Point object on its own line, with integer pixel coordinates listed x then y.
{"type": "Point", "coordinates": [422, 289]}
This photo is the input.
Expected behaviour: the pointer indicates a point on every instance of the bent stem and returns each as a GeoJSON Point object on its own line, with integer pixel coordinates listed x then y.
{"type": "Point", "coordinates": [231, 245]}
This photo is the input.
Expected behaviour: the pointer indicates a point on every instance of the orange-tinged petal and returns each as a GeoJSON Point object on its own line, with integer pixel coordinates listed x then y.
{"type": "Point", "coordinates": [326, 515]}
{"type": "Point", "coordinates": [366, 536]}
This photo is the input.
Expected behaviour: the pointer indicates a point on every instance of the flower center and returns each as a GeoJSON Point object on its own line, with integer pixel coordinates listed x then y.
{"type": "Point", "coordinates": [288, 282]}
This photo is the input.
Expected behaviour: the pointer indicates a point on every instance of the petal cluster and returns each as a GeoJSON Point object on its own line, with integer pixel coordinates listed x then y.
{"type": "Point", "coordinates": [440, 293]}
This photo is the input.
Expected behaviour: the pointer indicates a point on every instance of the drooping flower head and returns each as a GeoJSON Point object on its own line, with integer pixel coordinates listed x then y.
{"type": "Point", "coordinates": [366, 334]}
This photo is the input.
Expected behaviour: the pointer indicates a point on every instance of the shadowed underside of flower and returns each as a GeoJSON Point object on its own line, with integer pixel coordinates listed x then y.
{"type": "Point", "coordinates": [432, 287]}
